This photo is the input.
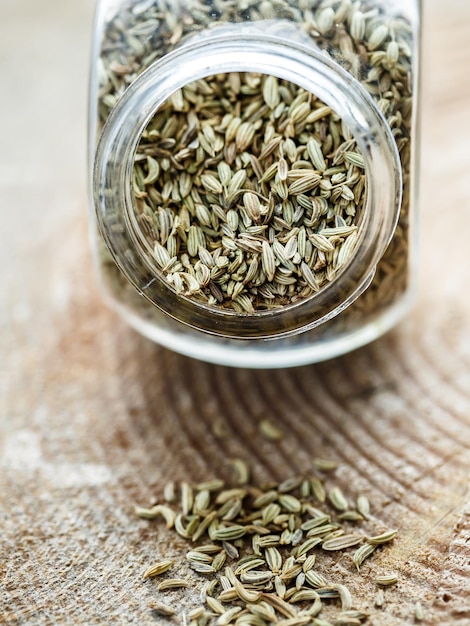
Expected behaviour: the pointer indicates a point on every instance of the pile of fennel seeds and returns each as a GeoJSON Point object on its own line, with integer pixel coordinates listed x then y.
{"type": "Point", "coordinates": [257, 550]}
{"type": "Point", "coordinates": [249, 190]}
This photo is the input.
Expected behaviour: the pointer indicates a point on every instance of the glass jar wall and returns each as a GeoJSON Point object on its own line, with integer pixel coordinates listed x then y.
{"type": "Point", "coordinates": [253, 172]}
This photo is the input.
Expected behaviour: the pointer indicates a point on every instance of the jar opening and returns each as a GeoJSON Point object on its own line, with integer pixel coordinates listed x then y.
{"type": "Point", "coordinates": [312, 73]}
{"type": "Point", "coordinates": [249, 192]}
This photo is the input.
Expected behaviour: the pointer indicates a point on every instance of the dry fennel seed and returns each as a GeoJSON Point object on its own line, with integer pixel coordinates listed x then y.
{"type": "Point", "coordinates": [259, 548]}
{"type": "Point", "coordinates": [161, 609]}
{"type": "Point", "coordinates": [386, 580]}
{"type": "Point", "coordinates": [158, 568]}
{"type": "Point", "coordinates": [325, 465]}
{"type": "Point", "coordinates": [373, 46]}
{"type": "Point", "coordinates": [379, 599]}
{"type": "Point", "coordinates": [248, 205]}
{"type": "Point", "coordinates": [173, 583]}
{"type": "Point", "coordinates": [419, 613]}
{"type": "Point", "coordinates": [270, 431]}
{"type": "Point", "coordinates": [242, 469]}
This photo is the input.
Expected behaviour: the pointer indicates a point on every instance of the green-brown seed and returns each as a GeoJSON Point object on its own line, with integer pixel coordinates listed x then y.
{"type": "Point", "coordinates": [158, 568]}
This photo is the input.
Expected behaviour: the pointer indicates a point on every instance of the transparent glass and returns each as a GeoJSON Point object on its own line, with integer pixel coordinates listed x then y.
{"type": "Point", "coordinates": [360, 59]}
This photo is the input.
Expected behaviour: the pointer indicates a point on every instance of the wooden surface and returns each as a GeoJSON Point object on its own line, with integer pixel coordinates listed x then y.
{"type": "Point", "coordinates": [95, 418]}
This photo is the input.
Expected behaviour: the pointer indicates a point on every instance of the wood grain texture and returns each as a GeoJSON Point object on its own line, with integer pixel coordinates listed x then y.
{"type": "Point", "coordinates": [95, 418]}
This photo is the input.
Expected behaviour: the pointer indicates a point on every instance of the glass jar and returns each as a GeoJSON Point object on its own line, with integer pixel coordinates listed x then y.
{"type": "Point", "coordinates": [253, 172]}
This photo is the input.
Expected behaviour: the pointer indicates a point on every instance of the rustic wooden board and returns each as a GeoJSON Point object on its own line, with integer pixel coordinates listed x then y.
{"type": "Point", "coordinates": [95, 418]}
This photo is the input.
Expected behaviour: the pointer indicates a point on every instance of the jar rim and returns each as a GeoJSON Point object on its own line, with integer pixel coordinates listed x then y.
{"type": "Point", "coordinates": [242, 48]}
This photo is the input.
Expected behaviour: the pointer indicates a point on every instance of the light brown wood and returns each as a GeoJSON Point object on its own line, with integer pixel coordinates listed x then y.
{"type": "Point", "coordinates": [95, 418]}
